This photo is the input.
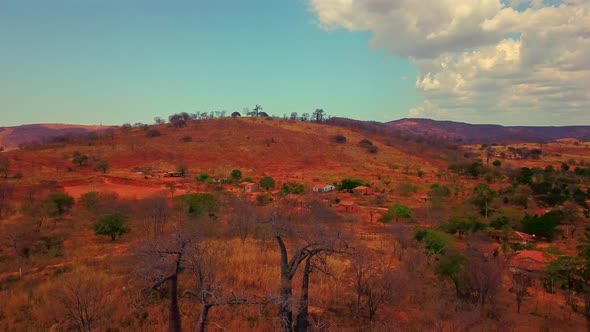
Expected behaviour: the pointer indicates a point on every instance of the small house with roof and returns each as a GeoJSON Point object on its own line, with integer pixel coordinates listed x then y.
{"type": "Point", "coordinates": [249, 187]}
{"type": "Point", "coordinates": [362, 190]}
{"type": "Point", "coordinates": [324, 188]}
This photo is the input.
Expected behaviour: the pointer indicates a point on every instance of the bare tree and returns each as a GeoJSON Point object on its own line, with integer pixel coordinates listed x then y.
{"type": "Point", "coordinates": [154, 212]}
{"type": "Point", "coordinates": [201, 260]}
{"type": "Point", "coordinates": [520, 288]}
{"type": "Point", "coordinates": [483, 275]}
{"type": "Point", "coordinates": [376, 284]}
{"type": "Point", "coordinates": [161, 263]}
{"type": "Point", "coordinates": [85, 297]}
{"type": "Point", "coordinates": [6, 195]}
{"type": "Point", "coordinates": [243, 218]}
{"type": "Point", "coordinates": [310, 239]}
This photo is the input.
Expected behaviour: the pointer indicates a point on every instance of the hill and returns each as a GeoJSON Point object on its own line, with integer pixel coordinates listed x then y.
{"type": "Point", "coordinates": [13, 137]}
{"type": "Point", "coordinates": [486, 133]}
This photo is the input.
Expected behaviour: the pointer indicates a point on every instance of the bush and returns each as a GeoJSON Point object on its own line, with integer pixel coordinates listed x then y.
{"type": "Point", "coordinates": [406, 189]}
{"type": "Point", "coordinates": [112, 225]}
{"type": "Point", "coordinates": [102, 165]}
{"type": "Point", "coordinates": [544, 226]}
{"type": "Point", "coordinates": [395, 212]}
{"type": "Point", "coordinates": [349, 184]}
{"type": "Point", "coordinates": [339, 138]}
{"type": "Point", "coordinates": [435, 242]}
{"type": "Point", "coordinates": [186, 139]}
{"type": "Point", "coordinates": [197, 204]}
{"type": "Point", "coordinates": [236, 175]}
{"type": "Point", "coordinates": [79, 159]}
{"type": "Point", "coordinates": [203, 177]}
{"type": "Point", "coordinates": [497, 163]}
{"type": "Point", "coordinates": [267, 183]}
{"type": "Point", "coordinates": [263, 199]}
{"type": "Point", "coordinates": [365, 143]}
{"type": "Point", "coordinates": [293, 188]}
{"type": "Point", "coordinates": [61, 203]}
{"type": "Point", "coordinates": [152, 133]}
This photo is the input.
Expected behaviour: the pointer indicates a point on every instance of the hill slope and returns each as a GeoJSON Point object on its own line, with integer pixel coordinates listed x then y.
{"type": "Point", "coordinates": [13, 137]}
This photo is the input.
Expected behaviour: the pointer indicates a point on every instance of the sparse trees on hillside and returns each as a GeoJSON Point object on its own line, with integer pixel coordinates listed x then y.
{"type": "Point", "coordinates": [113, 225]}
{"type": "Point", "coordinates": [395, 212]}
{"type": "Point", "coordinates": [318, 115]}
{"type": "Point", "coordinates": [102, 166]}
{"type": "Point", "coordinates": [79, 158]}
{"type": "Point", "coordinates": [179, 120]}
{"type": "Point", "coordinates": [60, 204]}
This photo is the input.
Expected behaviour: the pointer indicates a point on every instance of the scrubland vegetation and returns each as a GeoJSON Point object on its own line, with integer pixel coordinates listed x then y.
{"type": "Point", "coordinates": [201, 223]}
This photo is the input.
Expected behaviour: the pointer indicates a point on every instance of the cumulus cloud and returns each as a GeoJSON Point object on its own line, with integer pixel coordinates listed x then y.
{"type": "Point", "coordinates": [512, 61]}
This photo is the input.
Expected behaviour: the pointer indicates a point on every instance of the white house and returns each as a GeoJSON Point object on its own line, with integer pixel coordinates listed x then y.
{"type": "Point", "coordinates": [324, 188]}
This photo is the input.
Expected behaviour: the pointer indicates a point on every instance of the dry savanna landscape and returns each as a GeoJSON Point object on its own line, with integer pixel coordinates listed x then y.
{"type": "Point", "coordinates": [263, 223]}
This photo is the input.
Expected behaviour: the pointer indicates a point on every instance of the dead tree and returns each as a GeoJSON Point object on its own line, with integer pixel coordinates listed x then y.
{"type": "Point", "coordinates": [161, 263]}
{"type": "Point", "coordinates": [85, 298]}
{"type": "Point", "coordinates": [306, 232]}
{"type": "Point", "coordinates": [520, 287]}
{"type": "Point", "coordinates": [154, 212]}
{"type": "Point", "coordinates": [201, 260]}
{"type": "Point", "coordinates": [243, 219]}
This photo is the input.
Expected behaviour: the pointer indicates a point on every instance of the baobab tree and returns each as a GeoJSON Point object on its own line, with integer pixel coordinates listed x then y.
{"type": "Point", "coordinates": [307, 232]}
{"type": "Point", "coordinates": [162, 260]}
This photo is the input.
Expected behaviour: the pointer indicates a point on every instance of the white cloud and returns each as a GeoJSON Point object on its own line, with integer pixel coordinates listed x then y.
{"type": "Point", "coordinates": [482, 60]}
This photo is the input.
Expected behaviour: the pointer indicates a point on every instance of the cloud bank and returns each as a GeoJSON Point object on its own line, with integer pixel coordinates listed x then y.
{"type": "Point", "coordinates": [517, 61]}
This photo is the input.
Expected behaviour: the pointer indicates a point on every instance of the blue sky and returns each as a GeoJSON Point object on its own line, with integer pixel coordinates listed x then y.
{"type": "Point", "coordinates": [116, 61]}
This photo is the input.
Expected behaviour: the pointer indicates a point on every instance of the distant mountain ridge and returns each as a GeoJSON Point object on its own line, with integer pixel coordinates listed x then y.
{"type": "Point", "coordinates": [487, 133]}
{"type": "Point", "coordinates": [13, 137]}
{"type": "Point", "coordinates": [466, 133]}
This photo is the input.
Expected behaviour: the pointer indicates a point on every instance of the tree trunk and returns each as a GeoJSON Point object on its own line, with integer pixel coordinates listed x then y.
{"type": "Point", "coordinates": [286, 294]}
{"type": "Point", "coordinates": [301, 319]}
{"type": "Point", "coordinates": [174, 311]}
{"type": "Point", "coordinates": [518, 303]}
{"type": "Point", "coordinates": [203, 317]}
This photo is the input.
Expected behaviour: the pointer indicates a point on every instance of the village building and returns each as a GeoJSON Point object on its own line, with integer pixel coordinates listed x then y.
{"type": "Point", "coordinates": [249, 187]}
{"type": "Point", "coordinates": [348, 206]}
{"type": "Point", "coordinates": [324, 188]}
{"type": "Point", "coordinates": [528, 261]}
{"type": "Point", "coordinates": [362, 190]}
{"type": "Point", "coordinates": [512, 237]}
{"type": "Point", "coordinates": [424, 198]}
